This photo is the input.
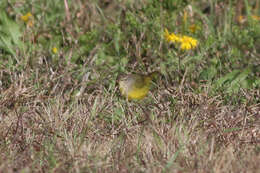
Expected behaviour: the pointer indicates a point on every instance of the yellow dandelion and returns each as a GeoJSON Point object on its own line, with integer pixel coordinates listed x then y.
{"type": "Point", "coordinates": [166, 35]}
{"type": "Point", "coordinates": [174, 38]}
{"type": "Point", "coordinates": [241, 19]}
{"type": "Point", "coordinates": [185, 42]}
{"type": "Point", "coordinates": [171, 38]}
{"type": "Point", "coordinates": [255, 17]}
{"type": "Point", "coordinates": [54, 50]}
{"type": "Point", "coordinates": [188, 43]}
{"type": "Point", "coordinates": [26, 17]}
{"type": "Point", "coordinates": [193, 28]}
{"type": "Point", "coordinates": [193, 42]}
{"type": "Point", "coordinates": [185, 46]}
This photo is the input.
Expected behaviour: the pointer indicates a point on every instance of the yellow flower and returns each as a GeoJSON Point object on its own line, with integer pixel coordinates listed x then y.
{"type": "Point", "coordinates": [193, 28]}
{"type": "Point", "coordinates": [54, 50]}
{"type": "Point", "coordinates": [28, 19]}
{"type": "Point", "coordinates": [172, 38]}
{"type": "Point", "coordinates": [185, 46]}
{"type": "Point", "coordinates": [166, 35]}
{"type": "Point", "coordinates": [255, 17]}
{"type": "Point", "coordinates": [188, 43]}
{"type": "Point", "coordinates": [242, 19]}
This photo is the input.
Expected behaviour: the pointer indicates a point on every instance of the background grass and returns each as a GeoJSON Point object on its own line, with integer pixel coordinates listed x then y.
{"type": "Point", "coordinates": [60, 110]}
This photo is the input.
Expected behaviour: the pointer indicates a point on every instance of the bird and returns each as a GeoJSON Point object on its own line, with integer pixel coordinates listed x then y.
{"type": "Point", "coordinates": [136, 86]}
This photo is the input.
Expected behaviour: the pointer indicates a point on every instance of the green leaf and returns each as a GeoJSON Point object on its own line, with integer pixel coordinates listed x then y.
{"type": "Point", "coordinates": [235, 80]}
{"type": "Point", "coordinates": [9, 34]}
{"type": "Point", "coordinates": [209, 73]}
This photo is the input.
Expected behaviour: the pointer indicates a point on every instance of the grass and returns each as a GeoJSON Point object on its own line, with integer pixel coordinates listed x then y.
{"type": "Point", "coordinates": [60, 109]}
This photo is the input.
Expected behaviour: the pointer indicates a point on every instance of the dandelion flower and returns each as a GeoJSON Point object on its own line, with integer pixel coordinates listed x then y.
{"type": "Point", "coordinates": [171, 38]}
{"type": "Point", "coordinates": [257, 18]}
{"type": "Point", "coordinates": [54, 50]}
{"type": "Point", "coordinates": [28, 19]}
{"type": "Point", "coordinates": [193, 28]}
{"type": "Point", "coordinates": [188, 43]}
{"type": "Point", "coordinates": [185, 42]}
{"type": "Point", "coordinates": [185, 46]}
{"type": "Point", "coordinates": [167, 35]}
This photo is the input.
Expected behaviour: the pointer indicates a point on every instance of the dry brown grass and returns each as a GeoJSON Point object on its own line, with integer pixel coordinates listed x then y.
{"type": "Point", "coordinates": [102, 133]}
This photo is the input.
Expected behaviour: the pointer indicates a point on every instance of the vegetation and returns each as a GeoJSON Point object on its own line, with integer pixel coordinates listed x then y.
{"type": "Point", "coordinates": [60, 108]}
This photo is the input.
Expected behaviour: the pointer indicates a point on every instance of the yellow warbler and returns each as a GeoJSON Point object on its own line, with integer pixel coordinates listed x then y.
{"type": "Point", "coordinates": [136, 86]}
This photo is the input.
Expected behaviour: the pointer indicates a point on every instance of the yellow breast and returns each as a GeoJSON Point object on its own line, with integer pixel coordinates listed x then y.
{"type": "Point", "coordinates": [138, 94]}
{"type": "Point", "coordinates": [135, 88]}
